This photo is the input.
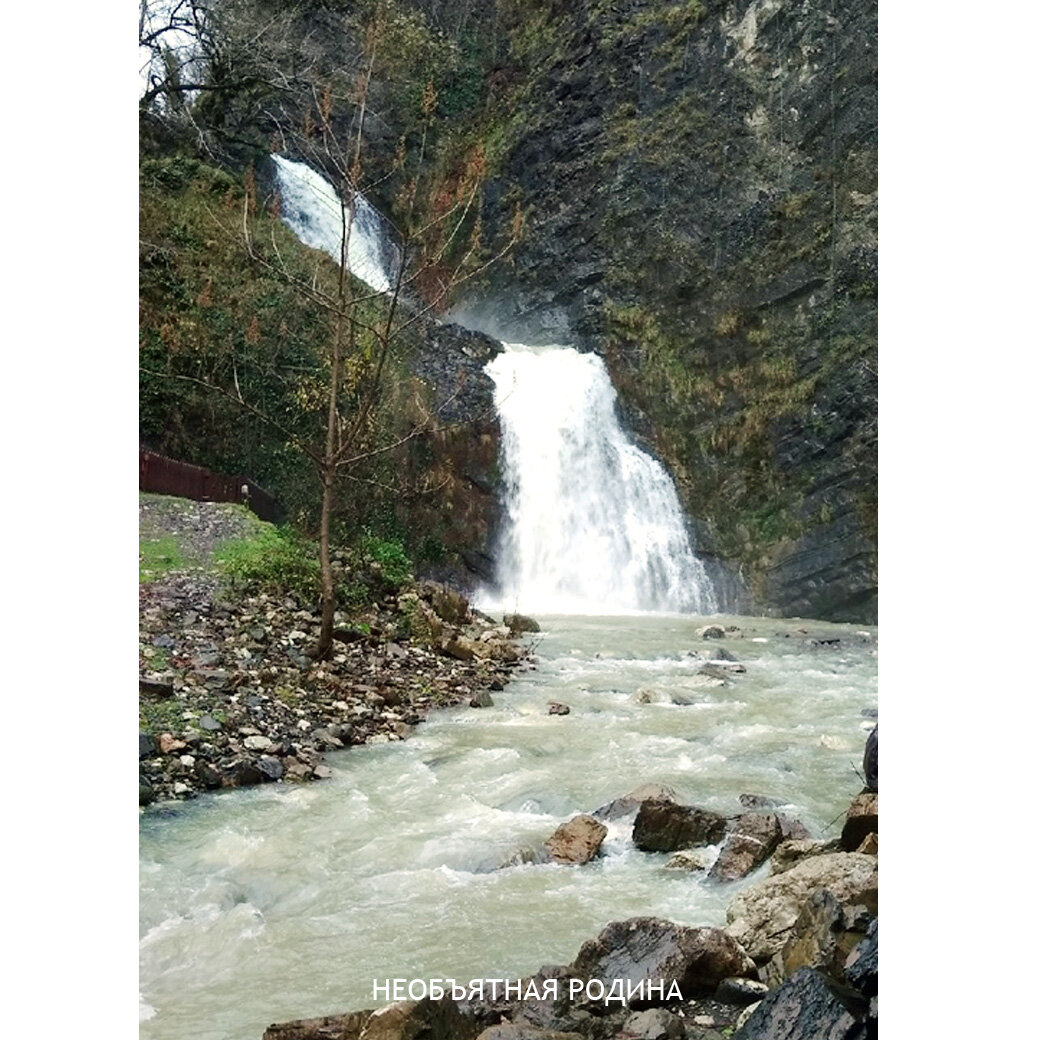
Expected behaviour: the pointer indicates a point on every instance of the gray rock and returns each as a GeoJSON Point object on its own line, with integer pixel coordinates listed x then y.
{"type": "Point", "coordinates": [482, 699]}
{"type": "Point", "coordinates": [759, 801]}
{"type": "Point", "coordinates": [258, 743]}
{"type": "Point", "coordinates": [210, 724]}
{"type": "Point", "coordinates": [654, 1024]}
{"type": "Point", "coordinates": [751, 841]}
{"type": "Point", "coordinates": [761, 917]}
{"type": "Point", "coordinates": [208, 775]}
{"type": "Point", "coordinates": [271, 767]}
{"type": "Point", "coordinates": [664, 826]}
{"type": "Point", "coordinates": [741, 992]}
{"type": "Point", "coordinates": [146, 746]}
{"type": "Point", "coordinates": [806, 1007]}
{"type": "Point", "coordinates": [698, 959]}
{"type": "Point", "coordinates": [322, 772]}
{"type": "Point", "coordinates": [711, 632]}
{"type": "Point", "coordinates": [519, 623]}
{"type": "Point", "coordinates": [629, 803]}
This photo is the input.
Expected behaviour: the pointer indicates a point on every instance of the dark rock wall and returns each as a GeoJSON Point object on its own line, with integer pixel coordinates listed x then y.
{"type": "Point", "coordinates": [699, 185]}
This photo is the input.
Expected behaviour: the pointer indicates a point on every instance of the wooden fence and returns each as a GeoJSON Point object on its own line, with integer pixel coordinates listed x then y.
{"type": "Point", "coordinates": [169, 477]}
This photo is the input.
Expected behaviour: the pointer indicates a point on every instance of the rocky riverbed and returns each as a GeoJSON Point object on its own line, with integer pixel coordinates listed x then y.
{"type": "Point", "coordinates": [796, 960]}
{"type": "Point", "coordinates": [229, 697]}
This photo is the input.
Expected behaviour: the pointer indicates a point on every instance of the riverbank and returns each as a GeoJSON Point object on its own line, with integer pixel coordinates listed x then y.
{"type": "Point", "coordinates": [228, 696]}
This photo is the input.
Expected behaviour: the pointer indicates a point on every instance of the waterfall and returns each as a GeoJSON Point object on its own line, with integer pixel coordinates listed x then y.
{"type": "Point", "coordinates": [593, 524]}
{"type": "Point", "coordinates": [311, 209]}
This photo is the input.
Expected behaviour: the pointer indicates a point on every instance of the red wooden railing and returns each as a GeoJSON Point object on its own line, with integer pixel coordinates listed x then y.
{"type": "Point", "coordinates": [170, 477]}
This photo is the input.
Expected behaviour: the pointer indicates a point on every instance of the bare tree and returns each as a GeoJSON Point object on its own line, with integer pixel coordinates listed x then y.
{"type": "Point", "coordinates": [440, 248]}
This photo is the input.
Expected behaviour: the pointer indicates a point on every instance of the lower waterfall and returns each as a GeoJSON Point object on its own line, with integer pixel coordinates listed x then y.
{"type": "Point", "coordinates": [593, 524]}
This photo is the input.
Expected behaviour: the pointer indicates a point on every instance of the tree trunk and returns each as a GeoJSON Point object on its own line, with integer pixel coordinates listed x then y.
{"type": "Point", "coordinates": [328, 588]}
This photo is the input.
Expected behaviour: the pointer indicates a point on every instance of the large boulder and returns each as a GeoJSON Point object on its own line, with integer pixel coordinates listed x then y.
{"type": "Point", "coordinates": [823, 936]}
{"type": "Point", "coordinates": [808, 1006]}
{"type": "Point", "coordinates": [790, 852]}
{"type": "Point", "coordinates": [751, 841]}
{"type": "Point", "coordinates": [577, 840]}
{"type": "Point", "coordinates": [761, 917]}
{"type": "Point", "coordinates": [861, 819]}
{"type": "Point", "coordinates": [420, 1020]}
{"type": "Point", "coordinates": [328, 1027]}
{"type": "Point", "coordinates": [650, 948]}
{"type": "Point", "coordinates": [664, 826]}
{"type": "Point", "coordinates": [520, 623]}
{"type": "Point", "coordinates": [629, 803]}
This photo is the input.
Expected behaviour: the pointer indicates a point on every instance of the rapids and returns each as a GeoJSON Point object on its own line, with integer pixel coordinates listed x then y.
{"type": "Point", "coordinates": [281, 902]}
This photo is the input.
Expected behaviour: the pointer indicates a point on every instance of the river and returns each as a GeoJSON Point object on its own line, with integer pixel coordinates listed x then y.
{"type": "Point", "coordinates": [282, 902]}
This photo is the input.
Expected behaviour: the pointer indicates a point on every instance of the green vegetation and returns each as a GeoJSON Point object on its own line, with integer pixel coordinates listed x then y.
{"type": "Point", "coordinates": [277, 559]}
{"type": "Point", "coordinates": [157, 556]}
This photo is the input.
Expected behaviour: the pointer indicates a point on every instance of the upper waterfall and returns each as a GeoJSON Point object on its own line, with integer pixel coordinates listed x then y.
{"type": "Point", "coordinates": [311, 208]}
{"type": "Point", "coordinates": [593, 524]}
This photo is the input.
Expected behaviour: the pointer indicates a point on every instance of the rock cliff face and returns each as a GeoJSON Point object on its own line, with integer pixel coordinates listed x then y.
{"type": "Point", "coordinates": [699, 184]}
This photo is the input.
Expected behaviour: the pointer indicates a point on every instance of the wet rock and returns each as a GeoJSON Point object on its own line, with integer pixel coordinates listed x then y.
{"type": "Point", "coordinates": [208, 775]}
{"type": "Point", "coordinates": [741, 992]}
{"type": "Point", "coordinates": [861, 966]}
{"type": "Point", "coordinates": [759, 801]}
{"type": "Point", "coordinates": [481, 700]}
{"type": "Point", "coordinates": [870, 761]}
{"type": "Point", "coordinates": [146, 746]}
{"type": "Point", "coordinates": [698, 959]}
{"type": "Point", "coordinates": [330, 1027]}
{"type": "Point", "coordinates": [761, 917]}
{"type": "Point", "coordinates": [629, 803]}
{"type": "Point", "coordinates": [557, 708]}
{"type": "Point", "coordinates": [664, 826]}
{"type": "Point", "coordinates": [644, 695]}
{"type": "Point", "coordinates": [794, 850]}
{"type": "Point", "coordinates": [576, 841]}
{"type": "Point", "coordinates": [792, 829]}
{"type": "Point", "coordinates": [822, 937]}
{"type": "Point", "coordinates": [322, 772]}
{"type": "Point", "coordinates": [519, 623]}
{"type": "Point", "coordinates": [245, 773]}
{"type": "Point", "coordinates": [527, 854]}
{"type": "Point", "coordinates": [751, 841]}
{"type": "Point", "coordinates": [145, 792]}
{"type": "Point", "coordinates": [711, 632]}
{"type": "Point", "coordinates": [695, 859]}
{"type": "Point", "coordinates": [806, 1007]}
{"type": "Point", "coordinates": [654, 1024]}
{"type": "Point", "coordinates": [861, 819]}
{"type": "Point", "coordinates": [720, 669]}
{"type": "Point", "coordinates": [425, 1019]}
{"type": "Point", "coordinates": [720, 653]}
{"type": "Point", "coordinates": [271, 767]}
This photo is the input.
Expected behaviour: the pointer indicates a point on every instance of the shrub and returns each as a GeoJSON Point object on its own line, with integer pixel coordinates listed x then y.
{"type": "Point", "coordinates": [275, 560]}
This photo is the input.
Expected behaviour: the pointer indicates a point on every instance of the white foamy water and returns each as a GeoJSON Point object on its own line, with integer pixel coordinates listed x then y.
{"type": "Point", "coordinates": [310, 207]}
{"type": "Point", "coordinates": [593, 524]}
{"type": "Point", "coordinates": [285, 902]}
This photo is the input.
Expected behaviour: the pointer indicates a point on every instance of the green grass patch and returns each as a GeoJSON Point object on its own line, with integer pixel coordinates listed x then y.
{"type": "Point", "coordinates": [159, 555]}
{"type": "Point", "coordinates": [276, 559]}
